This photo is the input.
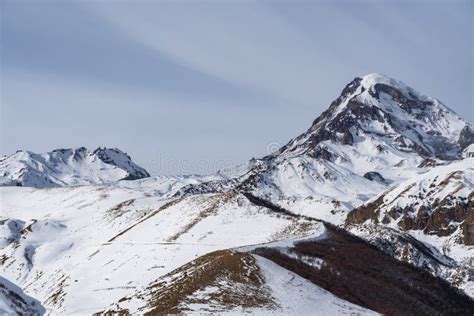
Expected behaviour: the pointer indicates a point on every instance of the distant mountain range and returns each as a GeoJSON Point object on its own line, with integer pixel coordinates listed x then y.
{"type": "Point", "coordinates": [369, 211]}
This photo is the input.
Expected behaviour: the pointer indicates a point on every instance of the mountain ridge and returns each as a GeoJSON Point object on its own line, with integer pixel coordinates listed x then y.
{"type": "Point", "coordinates": [69, 166]}
{"type": "Point", "coordinates": [378, 138]}
{"type": "Point", "coordinates": [355, 149]}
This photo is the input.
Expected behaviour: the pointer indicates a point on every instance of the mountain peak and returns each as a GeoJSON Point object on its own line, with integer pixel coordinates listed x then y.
{"type": "Point", "coordinates": [116, 157]}
{"type": "Point", "coordinates": [375, 78]}
{"type": "Point", "coordinates": [388, 112]}
{"type": "Point", "coordinates": [69, 166]}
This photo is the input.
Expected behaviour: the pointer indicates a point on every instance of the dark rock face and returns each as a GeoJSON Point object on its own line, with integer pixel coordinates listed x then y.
{"type": "Point", "coordinates": [466, 137]}
{"type": "Point", "coordinates": [366, 212]}
{"type": "Point", "coordinates": [410, 103]}
{"type": "Point", "coordinates": [102, 154]}
{"type": "Point", "coordinates": [443, 218]}
{"type": "Point", "coordinates": [139, 174]}
{"type": "Point", "coordinates": [318, 132]}
{"type": "Point", "coordinates": [80, 153]}
{"type": "Point", "coordinates": [348, 139]}
{"type": "Point", "coordinates": [449, 211]}
{"type": "Point", "coordinates": [360, 273]}
{"type": "Point", "coordinates": [347, 91]}
{"type": "Point", "coordinates": [107, 156]}
{"type": "Point", "coordinates": [468, 229]}
{"type": "Point", "coordinates": [428, 162]}
{"type": "Point", "coordinates": [440, 221]}
{"type": "Point", "coordinates": [322, 153]}
{"type": "Point", "coordinates": [404, 144]}
{"type": "Point", "coordinates": [374, 176]}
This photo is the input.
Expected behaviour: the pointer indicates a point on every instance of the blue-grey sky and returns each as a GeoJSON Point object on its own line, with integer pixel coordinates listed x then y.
{"type": "Point", "coordinates": [193, 86]}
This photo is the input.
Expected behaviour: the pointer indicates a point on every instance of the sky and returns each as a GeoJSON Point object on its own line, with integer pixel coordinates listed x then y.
{"type": "Point", "coordinates": [196, 86]}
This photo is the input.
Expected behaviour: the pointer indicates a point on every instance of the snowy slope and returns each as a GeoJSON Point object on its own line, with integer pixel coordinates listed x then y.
{"type": "Point", "coordinates": [80, 249]}
{"type": "Point", "coordinates": [14, 302]}
{"type": "Point", "coordinates": [293, 276]}
{"type": "Point", "coordinates": [228, 282]}
{"type": "Point", "coordinates": [167, 186]}
{"type": "Point", "coordinates": [66, 167]}
{"type": "Point", "coordinates": [436, 209]}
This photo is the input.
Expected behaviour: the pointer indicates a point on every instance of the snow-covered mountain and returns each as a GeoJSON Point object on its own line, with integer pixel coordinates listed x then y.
{"type": "Point", "coordinates": [68, 167]}
{"type": "Point", "coordinates": [378, 129]}
{"type": "Point", "coordinates": [389, 118]}
{"type": "Point", "coordinates": [384, 162]}
{"type": "Point", "coordinates": [378, 132]}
